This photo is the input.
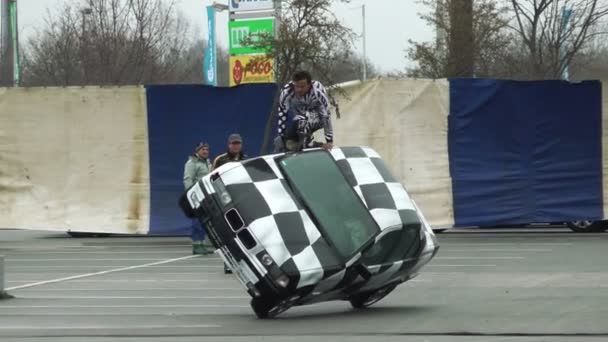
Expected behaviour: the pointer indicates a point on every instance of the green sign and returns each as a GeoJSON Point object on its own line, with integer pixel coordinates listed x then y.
{"type": "Point", "coordinates": [252, 29]}
{"type": "Point", "coordinates": [13, 23]}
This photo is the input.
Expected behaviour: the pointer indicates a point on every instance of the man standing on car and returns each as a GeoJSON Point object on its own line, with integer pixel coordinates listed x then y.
{"type": "Point", "coordinates": [234, 154]}
{"type": "Point", "coordinates": [198, 166]}
{"type": "Point", "coordinates": [309, 103]}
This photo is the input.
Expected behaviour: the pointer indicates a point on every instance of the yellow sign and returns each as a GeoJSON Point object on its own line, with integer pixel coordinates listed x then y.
{"type": "Point", "coordinates": [251, 69]}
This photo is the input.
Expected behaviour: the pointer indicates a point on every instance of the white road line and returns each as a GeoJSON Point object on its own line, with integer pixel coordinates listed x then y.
{"type": "Point", "coordinates": [104, 266]}
{"type": "Point", "coordinates": [142, 245]}
{"type": "Point", "coordinates": [86, 259]}
{"type": "Point", "coordinates": [107, 327]}
{"type": "Point", "coordinates": [450, 265]}
{"type": "Point", "coordinates": [445, 250]}
{"type": "Point", "coordinates": [111, 245]}
{"type": "Point", "coordinates": [479, 258]}
{"type": "Point", "coordinates": [122, 306]}
{"type": "Point", "coordinates": [198, 289]}
{"type": "Point", "coordinates": [528, 244]}
{"type": "Point", "coordinates": [133, 281]}
{"type": "Point", "coordinates": [98, 273]}
{"type": "Point", "coordinates": [34, 252]}
{"type": "Point", "coordinates": [138, 297]}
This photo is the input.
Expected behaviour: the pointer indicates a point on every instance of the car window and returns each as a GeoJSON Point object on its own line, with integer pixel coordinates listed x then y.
{"type": "Point", "coordinates": [322, 188]}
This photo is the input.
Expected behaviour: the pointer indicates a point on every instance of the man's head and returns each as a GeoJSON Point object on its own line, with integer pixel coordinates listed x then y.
{"type": "Point", "coordinates": [302, 81]}
{"type": "Point", "coordinates": [202, 150]}
{"type": "Point", "coordinates": [235, 143]}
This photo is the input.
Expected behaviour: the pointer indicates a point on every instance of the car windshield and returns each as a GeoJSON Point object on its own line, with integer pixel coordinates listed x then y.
{"type": "Point", "coordinates": [343, 218]}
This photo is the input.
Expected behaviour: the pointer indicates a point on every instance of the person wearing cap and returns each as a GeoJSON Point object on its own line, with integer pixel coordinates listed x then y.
{"type": "Point", "coordinates": [234, 154]}
{"type": "Point", "coordinates": [198, 166]}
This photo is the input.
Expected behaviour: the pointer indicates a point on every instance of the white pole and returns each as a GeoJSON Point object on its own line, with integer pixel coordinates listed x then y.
{"type": "Point", "coordinates": [6, 66]}
{"type": "Point", "coordinates": [1, 274]}
{"type": "Point", "coordinates": [364, 46]}
{"type": "Point", "coordinates": [3, 294]}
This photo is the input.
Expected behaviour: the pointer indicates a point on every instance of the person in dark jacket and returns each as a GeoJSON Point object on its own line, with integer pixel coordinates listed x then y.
{"type": "Point", "coordinates": [234, 153]}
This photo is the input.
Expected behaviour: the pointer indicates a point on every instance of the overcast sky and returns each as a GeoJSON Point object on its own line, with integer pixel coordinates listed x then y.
{"type": "Point", "coordinates": [390, 23]}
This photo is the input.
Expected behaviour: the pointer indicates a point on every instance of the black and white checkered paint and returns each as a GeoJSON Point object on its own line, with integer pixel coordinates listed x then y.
{"type": "Point", "coordinates": [284, 229]}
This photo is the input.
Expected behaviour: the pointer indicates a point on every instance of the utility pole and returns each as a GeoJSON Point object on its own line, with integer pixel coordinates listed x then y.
{"type": "Point", "coordinates": [364, 45]}
{"type": "Point", "coordinates": [5, 41]}
{"type": "Point", "coordinates": [460, 49]}
{"type": "Point", "coordinates": [85, 11]}
{"type": "Point", "coordinates": [566, 15]}
{"type": "Point", "coordinates": [440, 33]}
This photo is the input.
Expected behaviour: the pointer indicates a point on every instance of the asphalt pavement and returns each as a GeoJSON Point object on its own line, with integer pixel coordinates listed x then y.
{"type": "Point", "coordinates": [484, 285]}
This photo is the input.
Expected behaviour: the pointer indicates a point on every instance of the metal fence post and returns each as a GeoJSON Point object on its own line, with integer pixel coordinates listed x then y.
{"type": "Point", "coordinates": [3, 294]}
{"type": "Point", "coordinates": [1, 273]}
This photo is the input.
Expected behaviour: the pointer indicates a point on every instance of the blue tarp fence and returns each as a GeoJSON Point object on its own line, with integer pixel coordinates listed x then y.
{"type": "Point", "coordinates": [519, 152]}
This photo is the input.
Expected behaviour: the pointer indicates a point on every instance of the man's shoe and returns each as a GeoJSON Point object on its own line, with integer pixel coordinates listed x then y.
{"type": "Point", "coordinates": [208, 244]}
{"type": "Point", "coordinates": [201, 250]}
{"type": "Point", "coordinates": [198, 249]}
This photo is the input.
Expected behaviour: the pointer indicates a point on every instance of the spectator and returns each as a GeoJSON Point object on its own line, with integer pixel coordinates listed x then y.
{"type": "Point", "coordinates": [198, 166]}
{"type": "Point", "coordinates": [234, 153]}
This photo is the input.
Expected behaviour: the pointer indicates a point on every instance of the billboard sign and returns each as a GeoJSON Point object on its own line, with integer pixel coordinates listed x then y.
{"type": "Point", "coordinates": [254, 29]}
{"type": "Point", "coordinates": [251, 69]}
{"type": "Point", "coordinates": [251, 5]}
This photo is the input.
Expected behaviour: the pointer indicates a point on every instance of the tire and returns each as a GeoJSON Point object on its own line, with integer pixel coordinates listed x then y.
{"type": "Point", "coordinates": [367, 299]}
{"type": "Point", "coordinates": [262, 308]}
{"type": "Point", "coordinates": [87, 235]}
{"type": "Point", "coordinates": [586, 226]}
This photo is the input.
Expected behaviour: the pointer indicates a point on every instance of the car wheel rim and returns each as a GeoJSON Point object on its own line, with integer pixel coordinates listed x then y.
{"type": "Point", "coordinates": [582, 224]}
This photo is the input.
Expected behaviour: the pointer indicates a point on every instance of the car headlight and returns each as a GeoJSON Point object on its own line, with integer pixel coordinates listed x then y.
{"type": "Point", "coordinates": [267, 260]}
{"type": "Point", "coordinates": [225, 198]}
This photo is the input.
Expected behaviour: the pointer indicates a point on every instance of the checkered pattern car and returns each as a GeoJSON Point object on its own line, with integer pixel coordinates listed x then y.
{"type": "Point", "coordinates": [313, 226]}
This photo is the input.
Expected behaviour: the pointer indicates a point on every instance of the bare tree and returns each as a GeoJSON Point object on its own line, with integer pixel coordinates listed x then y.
{"type": "Point", "coordinates": [117, 42]}
{"type": "Point", "coordinates": [351, 69]}
{"type": "Point", "coordinates": [491, 40]}
{"type": "Point", "coordinates": [190, 68]}
{"type": "Point", "coordinates": [555, 31]}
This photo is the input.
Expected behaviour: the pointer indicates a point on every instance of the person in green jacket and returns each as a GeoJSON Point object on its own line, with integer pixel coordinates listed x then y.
{"type": "Point", "coordinates": [198, 166]}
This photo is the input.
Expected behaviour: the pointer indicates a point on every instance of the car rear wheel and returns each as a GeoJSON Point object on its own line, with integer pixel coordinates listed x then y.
{"type": "Point", "coordinates": [367, 299]}
{"type": "Point", "coordinates": [587, 226]}
{"type": "Point", "coordinates": [263, 308]}
{"type": "Point", "coordinates": [269, 309]}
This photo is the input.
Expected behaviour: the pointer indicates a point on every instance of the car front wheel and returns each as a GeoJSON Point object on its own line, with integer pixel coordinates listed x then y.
{"type": "Point", "coordinates": [367, 299]}
{"type": "Point", "coordinates": [587, 226]}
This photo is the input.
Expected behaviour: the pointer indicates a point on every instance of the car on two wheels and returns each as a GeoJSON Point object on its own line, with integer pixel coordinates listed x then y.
{"type": "Point", "coordinates": [312, 226]}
